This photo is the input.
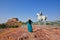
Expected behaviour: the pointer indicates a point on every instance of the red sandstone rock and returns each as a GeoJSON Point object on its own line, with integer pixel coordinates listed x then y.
{"type": "Point", "coordinates": [39, 33]}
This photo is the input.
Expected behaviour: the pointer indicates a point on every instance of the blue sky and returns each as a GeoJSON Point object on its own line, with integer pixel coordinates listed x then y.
{"type": "Point", "coordinates": [23, 9]}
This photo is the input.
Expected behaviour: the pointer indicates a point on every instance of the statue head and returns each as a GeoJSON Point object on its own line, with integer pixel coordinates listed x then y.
{"type": "Point", "coordinates": [41, 14]}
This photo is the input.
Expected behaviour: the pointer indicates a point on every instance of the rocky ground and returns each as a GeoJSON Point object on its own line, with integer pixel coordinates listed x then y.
{"type": "Point", "coordinates": [40, 32]}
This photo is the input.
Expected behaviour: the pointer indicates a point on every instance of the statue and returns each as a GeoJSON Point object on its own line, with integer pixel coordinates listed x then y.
{"type": "Point", "coordinates": [41, 18]}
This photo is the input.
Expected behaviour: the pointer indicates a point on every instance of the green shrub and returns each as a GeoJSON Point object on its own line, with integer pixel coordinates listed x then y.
{"type": "Point", "coordinates": [2, 26]}
{"type": "Point", "coordinates": [12, 26]}
{"type": "Point", "coordinates": [49, 23]}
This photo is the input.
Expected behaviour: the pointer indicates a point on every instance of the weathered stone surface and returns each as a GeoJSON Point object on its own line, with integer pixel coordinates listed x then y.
{"type": "Point", "coordinates": [13, 22]}
{"type": "Point", "coordinates": [39, 33]}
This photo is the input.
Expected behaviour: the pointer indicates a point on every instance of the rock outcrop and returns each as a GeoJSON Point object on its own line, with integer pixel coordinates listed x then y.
{"type": "Point", "coordinates": [13, 22]}
{"type": "Point", "coordinates": [39, 33]}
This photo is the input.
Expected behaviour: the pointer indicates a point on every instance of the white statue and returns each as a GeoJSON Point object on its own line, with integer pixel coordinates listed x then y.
{"type": "Point", "coordinates": [41, 18]}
